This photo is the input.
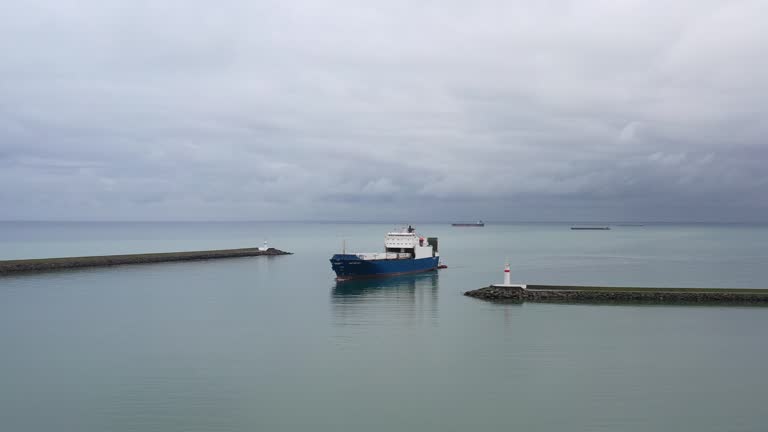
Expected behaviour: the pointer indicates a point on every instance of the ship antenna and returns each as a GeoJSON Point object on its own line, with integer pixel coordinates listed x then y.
{"type": "Point", "coordinates": [344, 247]}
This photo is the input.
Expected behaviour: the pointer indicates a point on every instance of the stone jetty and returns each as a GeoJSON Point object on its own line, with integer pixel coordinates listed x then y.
{"type": "Point", "coordinates": [49, 264]}
{"type": "Point", "coordinates": [593, 294]}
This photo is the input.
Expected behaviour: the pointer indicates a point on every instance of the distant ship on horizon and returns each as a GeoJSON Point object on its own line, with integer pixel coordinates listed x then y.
{"type": "Point", "coordinates": [479, 223]}
{"type": "Point", "coordinates": [599, 228]}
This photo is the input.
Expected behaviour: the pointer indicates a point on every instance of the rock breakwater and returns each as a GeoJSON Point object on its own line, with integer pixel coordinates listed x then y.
{"type": "Point", "coordinates": [576, 294]}
{"type": "Point", "coordinates": [51, 264]}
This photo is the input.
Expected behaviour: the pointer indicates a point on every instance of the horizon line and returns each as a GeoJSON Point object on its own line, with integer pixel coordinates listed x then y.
{"type": "Point", "coordinates": [331, 221]}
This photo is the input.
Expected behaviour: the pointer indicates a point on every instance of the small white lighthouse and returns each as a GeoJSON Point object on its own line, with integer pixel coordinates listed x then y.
{"type": "Point", "coordinates": [507, 279]}
{"type": "Point", "coordinates": [265, 247]}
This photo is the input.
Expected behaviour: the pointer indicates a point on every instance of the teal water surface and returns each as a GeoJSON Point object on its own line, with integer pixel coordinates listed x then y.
{"type": "Point", "coordinates": [273, 343]}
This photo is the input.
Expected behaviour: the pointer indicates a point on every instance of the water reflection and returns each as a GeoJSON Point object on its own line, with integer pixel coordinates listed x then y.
{"type": "Point", "coordinates": [412, 297]}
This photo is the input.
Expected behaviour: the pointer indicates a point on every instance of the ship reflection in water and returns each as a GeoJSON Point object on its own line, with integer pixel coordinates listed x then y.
{"type": "Point", "coordinates": [410, 298]}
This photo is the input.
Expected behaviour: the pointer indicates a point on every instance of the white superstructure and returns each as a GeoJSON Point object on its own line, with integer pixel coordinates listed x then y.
{"type": "Point", "coordinates": [401, 240]}
{"type": "Point", "coordinates": [408, 242]}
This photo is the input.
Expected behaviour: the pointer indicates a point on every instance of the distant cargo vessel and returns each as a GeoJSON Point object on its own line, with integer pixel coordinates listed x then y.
{"type": "Point", "coordinates": [470, 224]}
{"type": "Point", "coordinates": [590, 228]}
{"type": "Point", "coordinates": [404, 252]}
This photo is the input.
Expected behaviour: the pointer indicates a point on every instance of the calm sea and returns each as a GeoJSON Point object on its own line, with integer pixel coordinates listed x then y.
{"type": "Point", "coordinates": [273, 343]}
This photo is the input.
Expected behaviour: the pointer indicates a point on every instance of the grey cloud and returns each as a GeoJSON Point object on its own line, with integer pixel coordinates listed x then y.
{"type": "Point", "coordinates": [390, 110]}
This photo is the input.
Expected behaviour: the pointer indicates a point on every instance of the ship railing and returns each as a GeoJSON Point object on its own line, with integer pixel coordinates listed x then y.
{"type": "Point", "coordinates": [383, 256]}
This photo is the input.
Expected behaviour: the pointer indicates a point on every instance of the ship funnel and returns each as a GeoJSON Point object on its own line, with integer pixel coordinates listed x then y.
{"type": "Point", "coordinates": [432, 241]}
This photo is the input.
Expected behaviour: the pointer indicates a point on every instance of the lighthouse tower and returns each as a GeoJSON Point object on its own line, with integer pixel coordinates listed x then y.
{"type": "Point", "coordinates": [507, 280]}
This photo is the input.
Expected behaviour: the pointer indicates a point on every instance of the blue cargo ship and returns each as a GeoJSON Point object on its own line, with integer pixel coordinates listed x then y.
{"type": "Point", "coordinates": [404, 252]}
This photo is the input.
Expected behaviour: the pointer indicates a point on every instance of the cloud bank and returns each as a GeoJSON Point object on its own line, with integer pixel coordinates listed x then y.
{"type": "Point", "coordinates": [344, 110]}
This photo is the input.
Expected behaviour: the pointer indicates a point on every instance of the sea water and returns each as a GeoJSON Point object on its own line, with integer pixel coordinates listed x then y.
{"type": "Point", "coordinates": [274, 343]}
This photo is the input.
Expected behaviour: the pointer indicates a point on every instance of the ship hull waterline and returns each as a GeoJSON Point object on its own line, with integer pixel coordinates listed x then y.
{"type": "Point", "coordinates": [349, 267]}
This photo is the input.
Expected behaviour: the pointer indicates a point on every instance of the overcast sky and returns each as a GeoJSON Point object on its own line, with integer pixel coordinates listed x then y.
{"type": "Point", "coordinates": [391, 110]}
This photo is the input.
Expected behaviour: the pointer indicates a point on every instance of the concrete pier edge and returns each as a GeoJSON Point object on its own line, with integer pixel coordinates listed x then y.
{"type": "Point", "coordinates": [10, 267]}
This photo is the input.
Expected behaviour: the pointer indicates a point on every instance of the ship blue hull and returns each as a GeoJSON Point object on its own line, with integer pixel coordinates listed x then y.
{"type": "Point", "coordinates": [352, 267]}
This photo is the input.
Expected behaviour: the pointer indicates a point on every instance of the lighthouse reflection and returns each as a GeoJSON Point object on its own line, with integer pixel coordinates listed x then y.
{"type": "Point", "coordinates": [410, 297]}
